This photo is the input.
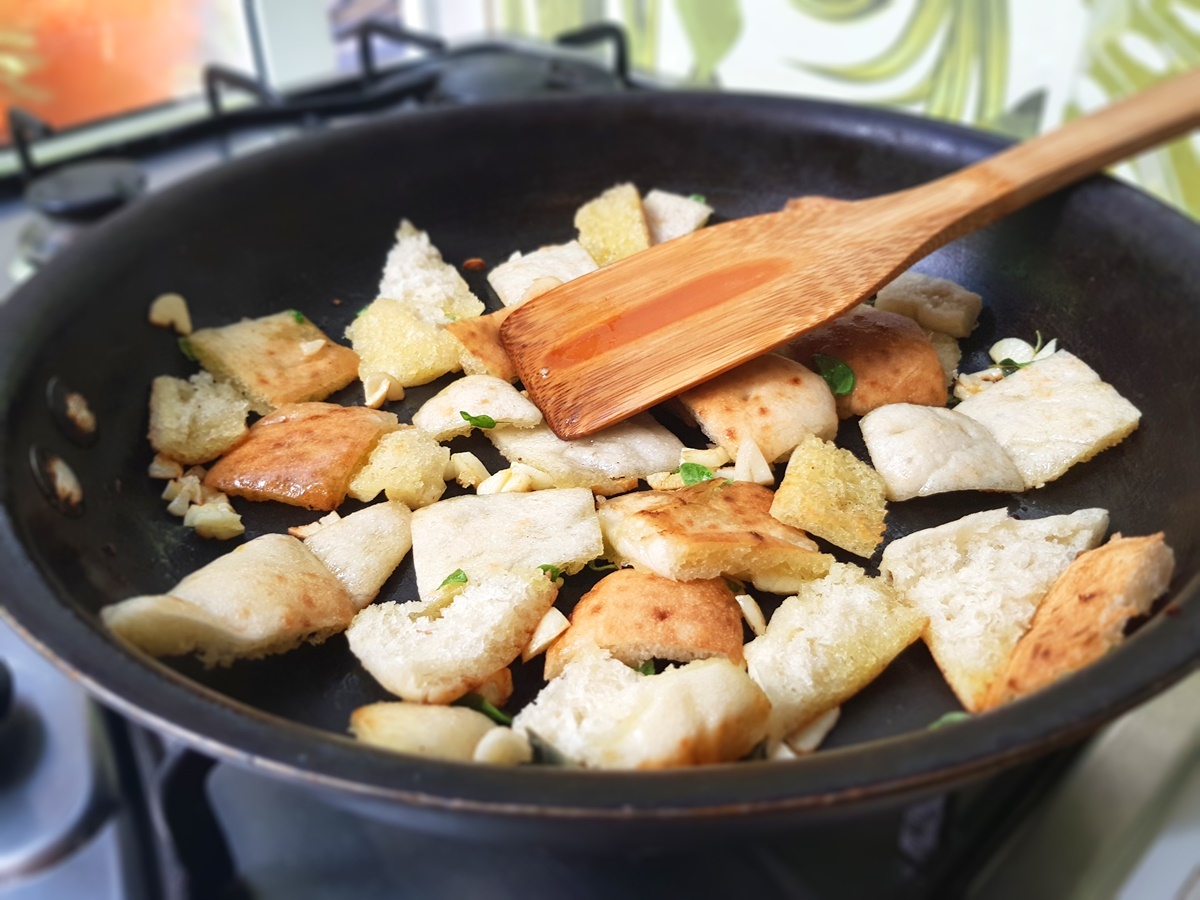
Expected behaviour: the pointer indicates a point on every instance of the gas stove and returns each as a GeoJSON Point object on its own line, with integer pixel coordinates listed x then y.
{"type": "Point", "coordinates": [92, 806]}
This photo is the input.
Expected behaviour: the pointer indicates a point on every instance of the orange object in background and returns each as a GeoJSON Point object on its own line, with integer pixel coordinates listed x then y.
{"type": "Point", "coordinates": [73, 61]}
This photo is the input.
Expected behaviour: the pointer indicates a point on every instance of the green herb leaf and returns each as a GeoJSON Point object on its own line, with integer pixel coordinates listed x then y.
{"type": "Point", "coordinates": [601, 567]}
{"type": "Point", "coordinates": [1008, 366]}
{"type": "Point", "coordinates": [694, 473]}
{"type": "Point", "coordinates": [298, 316]}
{"type": "Point", "coordinates": [546, 753]}
{"type": "Point", "coordinates": [458, 576]}
{"type": "Point", "coordinates": [950, 718]}
{"type": "Point", "coordinates": [699, 198]}
{"type": "Point", "coordinates": [185, 347]}
{"type": "Point", "coordinates": [478, 421]}
{"type": "Point", "coordinates": [647, 668]}
{"type": "Point", "coordinates": [479, 704]}
{"type": "Point", "coordinates": [838, 375]}
{"type": "Point", "coordinates": [554, 572]}
{"type": "Point", "coordinates": [736, 586]}
{"type": "Point", "coordinates": [363, 310]}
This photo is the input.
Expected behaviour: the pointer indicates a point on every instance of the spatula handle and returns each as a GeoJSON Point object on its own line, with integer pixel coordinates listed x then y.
{"type": "Point", "coordinates": [979, 194]}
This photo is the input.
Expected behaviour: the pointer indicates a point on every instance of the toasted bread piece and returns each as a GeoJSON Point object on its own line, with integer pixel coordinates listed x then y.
{"type": "Point", "coordinates": [773, 401]}
{"type": "Point", "coordinates": [608, 462]}
{"type": "Point", "coordinates": [924, 450]}
{"type": "Point", "coordinates": [392, 338]}
{"type": "Point", "coordinates": [303, 454]}
{"type": "Point", "coordinates": [416, 275]}
{"type": "Point", "coordinates": [605, 715]}
{"type": "Point", "coordinates": [980, 579]}
{"type": "Point", "coordinates": [938, 304]}
{"type": "Point", "coordinates": [364, 548]}
{"type": "Point", "coordinates": [948, 352]}
{"type": "Point", "coordinates": [441, 732]}
{"type": "Point", "coordinates": [482, 351]}
{"type": "Point", "coordinates": [435, 651]}
{"type": "Point", "coordinates": [1083, 616]}
{"type": "Point", "coordinates": [829, 492]}
{"type": "Point", "coordinates": [407, 465]}
{"type": "Point", "coordinates": [613, 226]}
{"type": "Point", "coordinates": [266, 596]}
{"type": "Point", "coordinates": [827, 643]}
{"type": "Point", "coordinates": [672, 215]}
{"type": "Point", "coordinates": [705, 531]}
{"type": "Point", "coordinates": [476, 533]}
{"type": "Point", "coordinates": [477, 395]}
{"type": "Point", "coordinates": [525, 276]}
{"type": "Point", "coordinates": [637, 616]}
{"type": "Point", "coordinates": [892, 359]}
{"type": "Point", "coordinates": [1052, 414]}
{"type": "Point", "coordinates": [197, 420]}
{"type": "Point", "coordinates": [263, 358]}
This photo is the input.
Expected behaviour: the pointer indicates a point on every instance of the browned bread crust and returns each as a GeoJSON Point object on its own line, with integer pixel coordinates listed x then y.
{"type": "Point", "coordinates": [303, 454]}
{"type": "Point", "coordinates": [1084, 614]}
{"type": "Point", "coordinates": [892, 358]}
{"type": "Point", "coordinates": [483, 353]}
{"type": "Point", "coordinates": [638, 616]}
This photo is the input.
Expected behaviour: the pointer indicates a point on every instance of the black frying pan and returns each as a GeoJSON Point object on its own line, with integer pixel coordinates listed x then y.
{"type": "Point", "coordinates": [1110, 273]}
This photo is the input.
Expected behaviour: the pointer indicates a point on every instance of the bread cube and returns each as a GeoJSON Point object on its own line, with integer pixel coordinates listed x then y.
{"type": "Point", "coordinates": [266, 596]}
{"type": "Point", "coordinates": [980, 580]}
{"type": "Point", "coordinates": [477, 395]}
{"type": "Point", "coordinates": [1084, 614]}
{"type": "Point", "coordinates": [771, 400]}
{"type": "Point", "coordinates": [476, 533]}
{"type": "Point", "coordinates": [303, 454]}
{"type": "Point", "coordinates": [613, 226]}
{"type": "Point", "coordinates": [710, 529]}
{"type": "Point", "coordinates": [925, 450]}
{"type": "Point", "coordinates": [827, 643]}
{"type": "Point", "coordinates": [263, 358]}
{"type": "Point", "coordinates": [935, 303]}
{"type": "Point", "coordinates": [669, 216]}
{"type": "Point", "coordinates": [437, 650]}
{"type": "Point", "coordinates": [829, 492]}
{"type": "Point", "coordinates": [197, 420]}
{"type": "Point", "coordinates": [416, 275]}
{"type": "Point", "coordinates": [525, 276]}
{"type": "Point", "coordinates": [407, 465]}
{"type": "Point", "coordinates": [482, 352]}
{"type": "Point", "coordinates": [638, 616]}
{"type": "Point", "coordinates": [364, 548]}
{"type": "Point", "coordinates": [392, 338]}
{"type": "Point", "coordinates": [1052, 414]}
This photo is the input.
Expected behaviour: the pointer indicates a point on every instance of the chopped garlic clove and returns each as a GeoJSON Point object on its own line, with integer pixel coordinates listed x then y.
{"type": "Point", "coordinates": [188, 492]}
{"type": "Point", "coordinates": [171, 311]}
{"type": "Point", "coordinates": [971, 383]}
{"type": "Point", "coordinates": [1049, 350]}
{"type": "Point", "coordinates": [1017, 350]}
{"type": "Point", "coordinates": [311, 348]}
{"type": "Point", "coordinates": [552, 625]}
{"type": "Point", "coordinates": [379, 387]}
{"type": "Point", "coordinates": [781, 752]}
{"type": "Point", "coordinates": [752, 612]}
{"type": "Point", "coordinates": [539, 480]}
{"type": "Point", "coordinates": [503, 747]}
{"type": "Point", "coordinates": [665, 481]}
{"type": "Point", "coordinates": [751, 465]}
{"type": "Point", "coordinates": [164, 467]}
{"type": "Point", "coordinates": [214, 520]}
{"type": "Point", "coordinates": [506, 481]}
{"type": "Point", "coordinates": [809, 738]}
{"type": "Point", "coordinates": [468, 470]}
{"type": "Point", "coordinates": [712, 458]}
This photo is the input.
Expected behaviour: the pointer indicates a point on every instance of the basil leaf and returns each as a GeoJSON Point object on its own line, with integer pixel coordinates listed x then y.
{"type": "Point", "coordinates": [477, 421]}
{"type": "Point", "coordinates": [838, 375]}
{"type": "Point", "coordinates": [458, 576]}
{"type": "Point", "coordinates": [646, 668]}
{"type": "Point", "coordinates": [694, 473]}
{"type": "Point", "coordinates": [554, 572]}
{"type": "Point", "coordinates": [601, 567]}
{"type": "Point", "coordinates": [950, 718]}
{"type": "Point", "coordinates": [479, 704]}
{"type": "Point", "coordinates": [185, 347]}
{"type": "Point", "coordinates": [297, 315]}
{"type": "Point", "coordinates": [699, 198]}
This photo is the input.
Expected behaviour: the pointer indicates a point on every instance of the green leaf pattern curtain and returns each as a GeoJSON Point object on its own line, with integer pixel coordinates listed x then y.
{"type": "Point", "coordinates": [1013, 66]}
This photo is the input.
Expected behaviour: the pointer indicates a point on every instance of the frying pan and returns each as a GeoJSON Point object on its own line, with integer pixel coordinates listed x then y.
{"type": "Point", "coordinates": [1109, 272]}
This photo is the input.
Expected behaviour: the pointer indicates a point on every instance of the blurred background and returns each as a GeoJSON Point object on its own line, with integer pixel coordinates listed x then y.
{"type": "Point", "coordinates": [1013, 66]}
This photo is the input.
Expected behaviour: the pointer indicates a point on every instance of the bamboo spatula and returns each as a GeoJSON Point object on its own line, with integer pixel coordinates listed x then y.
{"type": "Point", "coordinates": [603, 347]}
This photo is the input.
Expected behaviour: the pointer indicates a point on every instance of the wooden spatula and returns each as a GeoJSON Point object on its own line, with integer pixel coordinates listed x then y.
{"type": "Point", "coordinates": [603, 347]}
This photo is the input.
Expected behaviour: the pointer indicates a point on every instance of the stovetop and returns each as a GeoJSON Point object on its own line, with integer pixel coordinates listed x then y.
{"type": "Point", "coordinates": [94, 807]}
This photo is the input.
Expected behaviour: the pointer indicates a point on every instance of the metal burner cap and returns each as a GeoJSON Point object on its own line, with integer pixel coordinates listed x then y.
{"type": "Point", "coordinates": [86, 190]}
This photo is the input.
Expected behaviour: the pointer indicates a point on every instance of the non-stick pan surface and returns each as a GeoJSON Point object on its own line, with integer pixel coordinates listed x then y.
{"type": "Point", "coordinates": [1110, 273]}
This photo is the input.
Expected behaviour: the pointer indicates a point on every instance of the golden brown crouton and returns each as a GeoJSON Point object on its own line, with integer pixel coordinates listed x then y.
{"type": "Point", "coordinates": [303, 454]}
{"type": "Point", "coordinates": [482, 352]}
